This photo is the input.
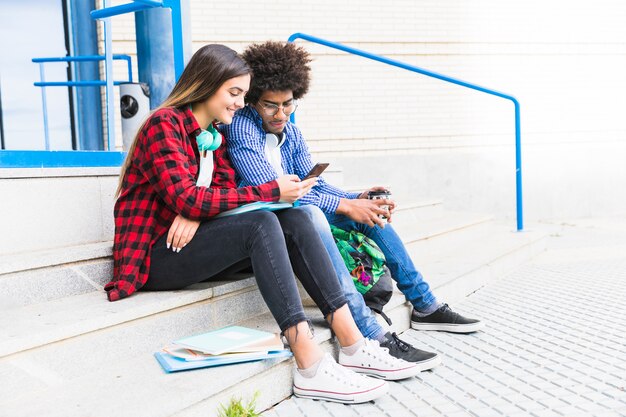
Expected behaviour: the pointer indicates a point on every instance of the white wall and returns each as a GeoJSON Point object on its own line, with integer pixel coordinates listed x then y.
{"type": "Point", "coordinates": [564, 60]}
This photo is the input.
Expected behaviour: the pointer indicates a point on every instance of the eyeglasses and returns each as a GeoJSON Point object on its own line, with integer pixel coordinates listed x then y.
{"type": "Point", "coordinates": [271, 109]}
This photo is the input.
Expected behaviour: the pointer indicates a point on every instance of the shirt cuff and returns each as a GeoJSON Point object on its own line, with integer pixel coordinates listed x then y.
{"type": "Point", "coordinates": [353, 196]}
{"type": "Point", "coordinates": [270, 191]}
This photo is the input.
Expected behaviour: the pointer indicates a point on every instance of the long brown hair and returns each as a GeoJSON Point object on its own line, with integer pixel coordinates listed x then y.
{"type": "Point", "coordinates": [209, 68]}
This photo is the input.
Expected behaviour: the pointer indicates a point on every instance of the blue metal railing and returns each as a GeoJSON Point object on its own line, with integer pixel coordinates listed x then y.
{"type": "Point", "coordinates": [83, 58]}
{"type": "Point", "coordinates": [412, 68]}
{"type": "Point", "coordinates": [136, 6]}
{"type": "Point", "coordinates": [89, 83]}
{"type": "Point", "coordinates": [139, 5]}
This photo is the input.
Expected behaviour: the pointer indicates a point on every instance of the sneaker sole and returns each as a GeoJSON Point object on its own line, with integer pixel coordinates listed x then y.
{"type": "Point", "coordinates": [447, 327]}
{"type": "Point", "coordinates": [429, 364]}
{"type": "Point", "coordinates": [397, 374]}
{"type": "Point", "coordinates": [351, 398]}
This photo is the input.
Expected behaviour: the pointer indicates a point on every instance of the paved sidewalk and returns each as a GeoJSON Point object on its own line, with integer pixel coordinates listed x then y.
{"type": "Point", "coordinates": [555, 344]}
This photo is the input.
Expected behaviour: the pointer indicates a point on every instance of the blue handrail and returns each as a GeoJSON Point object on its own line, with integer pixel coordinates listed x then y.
{"type": "Point", "coordinates": [412, 68]}
{"type": "Point", "coordinates": [89, 58]}
{"type": "Point", "coordinates": [139, 5]}
{"type": "Point", "coordinates": [81, 58]}
{"type": "Point", "coordinates": [136, 6]}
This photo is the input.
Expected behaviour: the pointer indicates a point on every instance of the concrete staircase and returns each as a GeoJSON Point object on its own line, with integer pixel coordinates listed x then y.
{"type": "Point", "coordinates": [65, 350]}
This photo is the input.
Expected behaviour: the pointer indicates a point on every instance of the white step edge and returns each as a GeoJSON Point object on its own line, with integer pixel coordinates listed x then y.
{"type": "Point", "coordinates": [35, 325]}
{"type": "Point", "coordinates": [53, 257]}
{"type": "Point", "coordinates": [418, 204]}
{"type": "Point", "coordinates": [441, 226]}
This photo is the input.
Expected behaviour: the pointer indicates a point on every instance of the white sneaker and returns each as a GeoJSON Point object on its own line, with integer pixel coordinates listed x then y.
{"type": "Point", "coordinates": [373, 360]}
{"type": "Point", "coordinates": [333, 382]}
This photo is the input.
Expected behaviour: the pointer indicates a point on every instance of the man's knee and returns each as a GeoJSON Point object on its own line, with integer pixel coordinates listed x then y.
{"type": "Point", "coordinates": [316, 216]}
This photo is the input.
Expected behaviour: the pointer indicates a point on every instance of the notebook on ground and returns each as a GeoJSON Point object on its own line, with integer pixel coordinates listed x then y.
{"type": "Point", "coordinates": [172, 364]}
{"type": "Point", "coordinates": [253, 349]}
{"type": "Point", "coordinates": [231, 339]}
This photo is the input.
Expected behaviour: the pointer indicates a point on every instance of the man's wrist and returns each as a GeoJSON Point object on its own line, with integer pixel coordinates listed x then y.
{"type": "Point", "coordinates": [344, 207]}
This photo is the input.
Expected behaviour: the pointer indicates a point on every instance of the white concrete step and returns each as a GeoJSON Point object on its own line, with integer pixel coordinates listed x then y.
{"type": "Point", "coordinates": [52, 257]}
{"type": "Point", "coordinates": [120, 356]}
{"type": "Point", "coordinates": [333, 175]}
{"type": "Point", "coordinates": [35, 325]}
{"type": "Point", "coordinates": [52, 283]}
{"type": "Point", "coordinates": [472, 257]}
{"type": "Point", "coordinates": [56, 207]}
{"type": "Point", "coordinates": [48, 275]}
{"type": "Point", "coordinates": [30, 325]}
{"type": "Point", "coordinates": [411, 228]}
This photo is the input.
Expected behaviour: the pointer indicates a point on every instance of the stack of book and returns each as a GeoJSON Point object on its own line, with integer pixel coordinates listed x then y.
{"type": "Point", "coordinates": [232, 344]}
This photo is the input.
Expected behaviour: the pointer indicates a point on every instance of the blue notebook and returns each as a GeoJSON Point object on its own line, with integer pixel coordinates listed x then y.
{"type": "Point", "coordinates": [171, 364]}
{"type": "Point", "coordinates": [259, 205]}
{"type": "Point", "coordinates": [228, 340]}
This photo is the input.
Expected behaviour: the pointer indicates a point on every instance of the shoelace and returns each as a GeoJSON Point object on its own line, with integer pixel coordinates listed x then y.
{"type": "Point", "coordinates": [381, 353]}
{"type": "Point", "coordinates": [344, 375]}
{"type": "Point", "coordinates": [446, 308]}
{"type": "Point", "coordinates": [404, 346]}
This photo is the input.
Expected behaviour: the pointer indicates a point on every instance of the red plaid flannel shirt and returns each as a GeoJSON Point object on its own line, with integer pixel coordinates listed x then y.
{"type": "Point", "coordinates": [159, 185]}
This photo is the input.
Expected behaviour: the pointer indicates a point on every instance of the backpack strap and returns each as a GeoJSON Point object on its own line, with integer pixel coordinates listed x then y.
{"type": "Point", "coordinates": [383, 315]}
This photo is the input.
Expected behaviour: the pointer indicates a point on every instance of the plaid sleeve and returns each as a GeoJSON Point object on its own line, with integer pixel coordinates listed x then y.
{"type": "Point", "coordinates": [167, 169]}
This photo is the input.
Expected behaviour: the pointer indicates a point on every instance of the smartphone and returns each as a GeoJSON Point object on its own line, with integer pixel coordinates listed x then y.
{"type": "Point", "coordinates": [317, 170]}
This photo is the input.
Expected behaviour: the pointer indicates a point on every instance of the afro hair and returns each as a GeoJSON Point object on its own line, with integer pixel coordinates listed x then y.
{"type": "Point", "coordinates": [277, 66]}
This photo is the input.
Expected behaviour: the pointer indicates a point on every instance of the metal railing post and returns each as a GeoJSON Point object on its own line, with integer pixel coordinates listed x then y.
{"type": "Point", "coordinates": [518, 168]}
{"type": "Point", "coordinates": [108, 53]}
{"type": "Point", "coordinates": [44, 103]}
{"type": "Point", "coordinates": [177, 34]}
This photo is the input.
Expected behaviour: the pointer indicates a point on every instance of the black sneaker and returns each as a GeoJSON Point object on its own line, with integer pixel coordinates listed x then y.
{"type": "Point", "coordinates": [444, 319]}
{"type": "Point", "coordinates": [402, 350]}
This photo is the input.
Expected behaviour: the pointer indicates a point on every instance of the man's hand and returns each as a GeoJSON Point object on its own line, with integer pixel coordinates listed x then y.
{"type": "Point", "coordinates": [366, 211]}
{"type": "Point", "coordinates": [292, 189]}
{"type": "Point", "coordinates": [365, 193]}
{"type": "Point", "coordinates": [181, 232]}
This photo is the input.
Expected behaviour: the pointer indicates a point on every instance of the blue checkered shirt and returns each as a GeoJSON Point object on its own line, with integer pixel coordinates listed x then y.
{"type": "Point", "coordinates": [246, 146]}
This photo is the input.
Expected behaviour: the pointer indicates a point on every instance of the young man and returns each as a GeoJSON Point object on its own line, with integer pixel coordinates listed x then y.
{"type": "Point", "coordinates": [263, 145]}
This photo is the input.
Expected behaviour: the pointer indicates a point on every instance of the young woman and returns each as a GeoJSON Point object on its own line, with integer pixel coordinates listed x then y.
{"type": "Point", "coordinates": [166, 237]}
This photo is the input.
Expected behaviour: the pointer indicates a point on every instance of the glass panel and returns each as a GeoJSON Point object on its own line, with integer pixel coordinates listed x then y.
{"type": "Point", "coordinates": [32, 29]}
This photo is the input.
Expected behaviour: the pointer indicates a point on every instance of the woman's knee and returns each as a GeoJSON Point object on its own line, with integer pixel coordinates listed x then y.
{"type": "Point", "coordinates": [264, 222]}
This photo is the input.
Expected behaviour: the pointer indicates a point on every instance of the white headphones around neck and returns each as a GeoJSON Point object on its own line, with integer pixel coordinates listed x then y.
{"type": "Point", "coordinates": [274, 141]}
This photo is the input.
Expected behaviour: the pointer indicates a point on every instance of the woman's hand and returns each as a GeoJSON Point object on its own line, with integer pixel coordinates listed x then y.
{"type": "Point", "coordinates": [181, 232]}
{"type": "Point", "coordinates": [291, 188]}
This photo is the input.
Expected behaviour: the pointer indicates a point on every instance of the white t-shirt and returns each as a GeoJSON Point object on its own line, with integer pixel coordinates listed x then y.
{"type": "Point", "coordinates": [206, 169]}
{"type": "Point", "coordinates": [272, 152]}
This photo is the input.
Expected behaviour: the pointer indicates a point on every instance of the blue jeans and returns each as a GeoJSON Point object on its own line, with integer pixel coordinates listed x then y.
{"type": "Point", "coordinates": [363, 316]}
{"type": "Point", "coordinates": [409, 280]}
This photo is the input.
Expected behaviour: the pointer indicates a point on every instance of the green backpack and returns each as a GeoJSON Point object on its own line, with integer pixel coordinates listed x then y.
{"type": "Point", "coordinates": [366, 263]}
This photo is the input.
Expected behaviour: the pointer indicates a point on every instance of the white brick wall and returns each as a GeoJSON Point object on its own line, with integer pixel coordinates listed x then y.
{"type": "Point", "coordinates": [564, 60]}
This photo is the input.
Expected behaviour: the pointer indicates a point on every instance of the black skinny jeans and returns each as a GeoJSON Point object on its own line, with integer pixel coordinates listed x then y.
{"type": "Point", "coordinates": [270, 240]}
